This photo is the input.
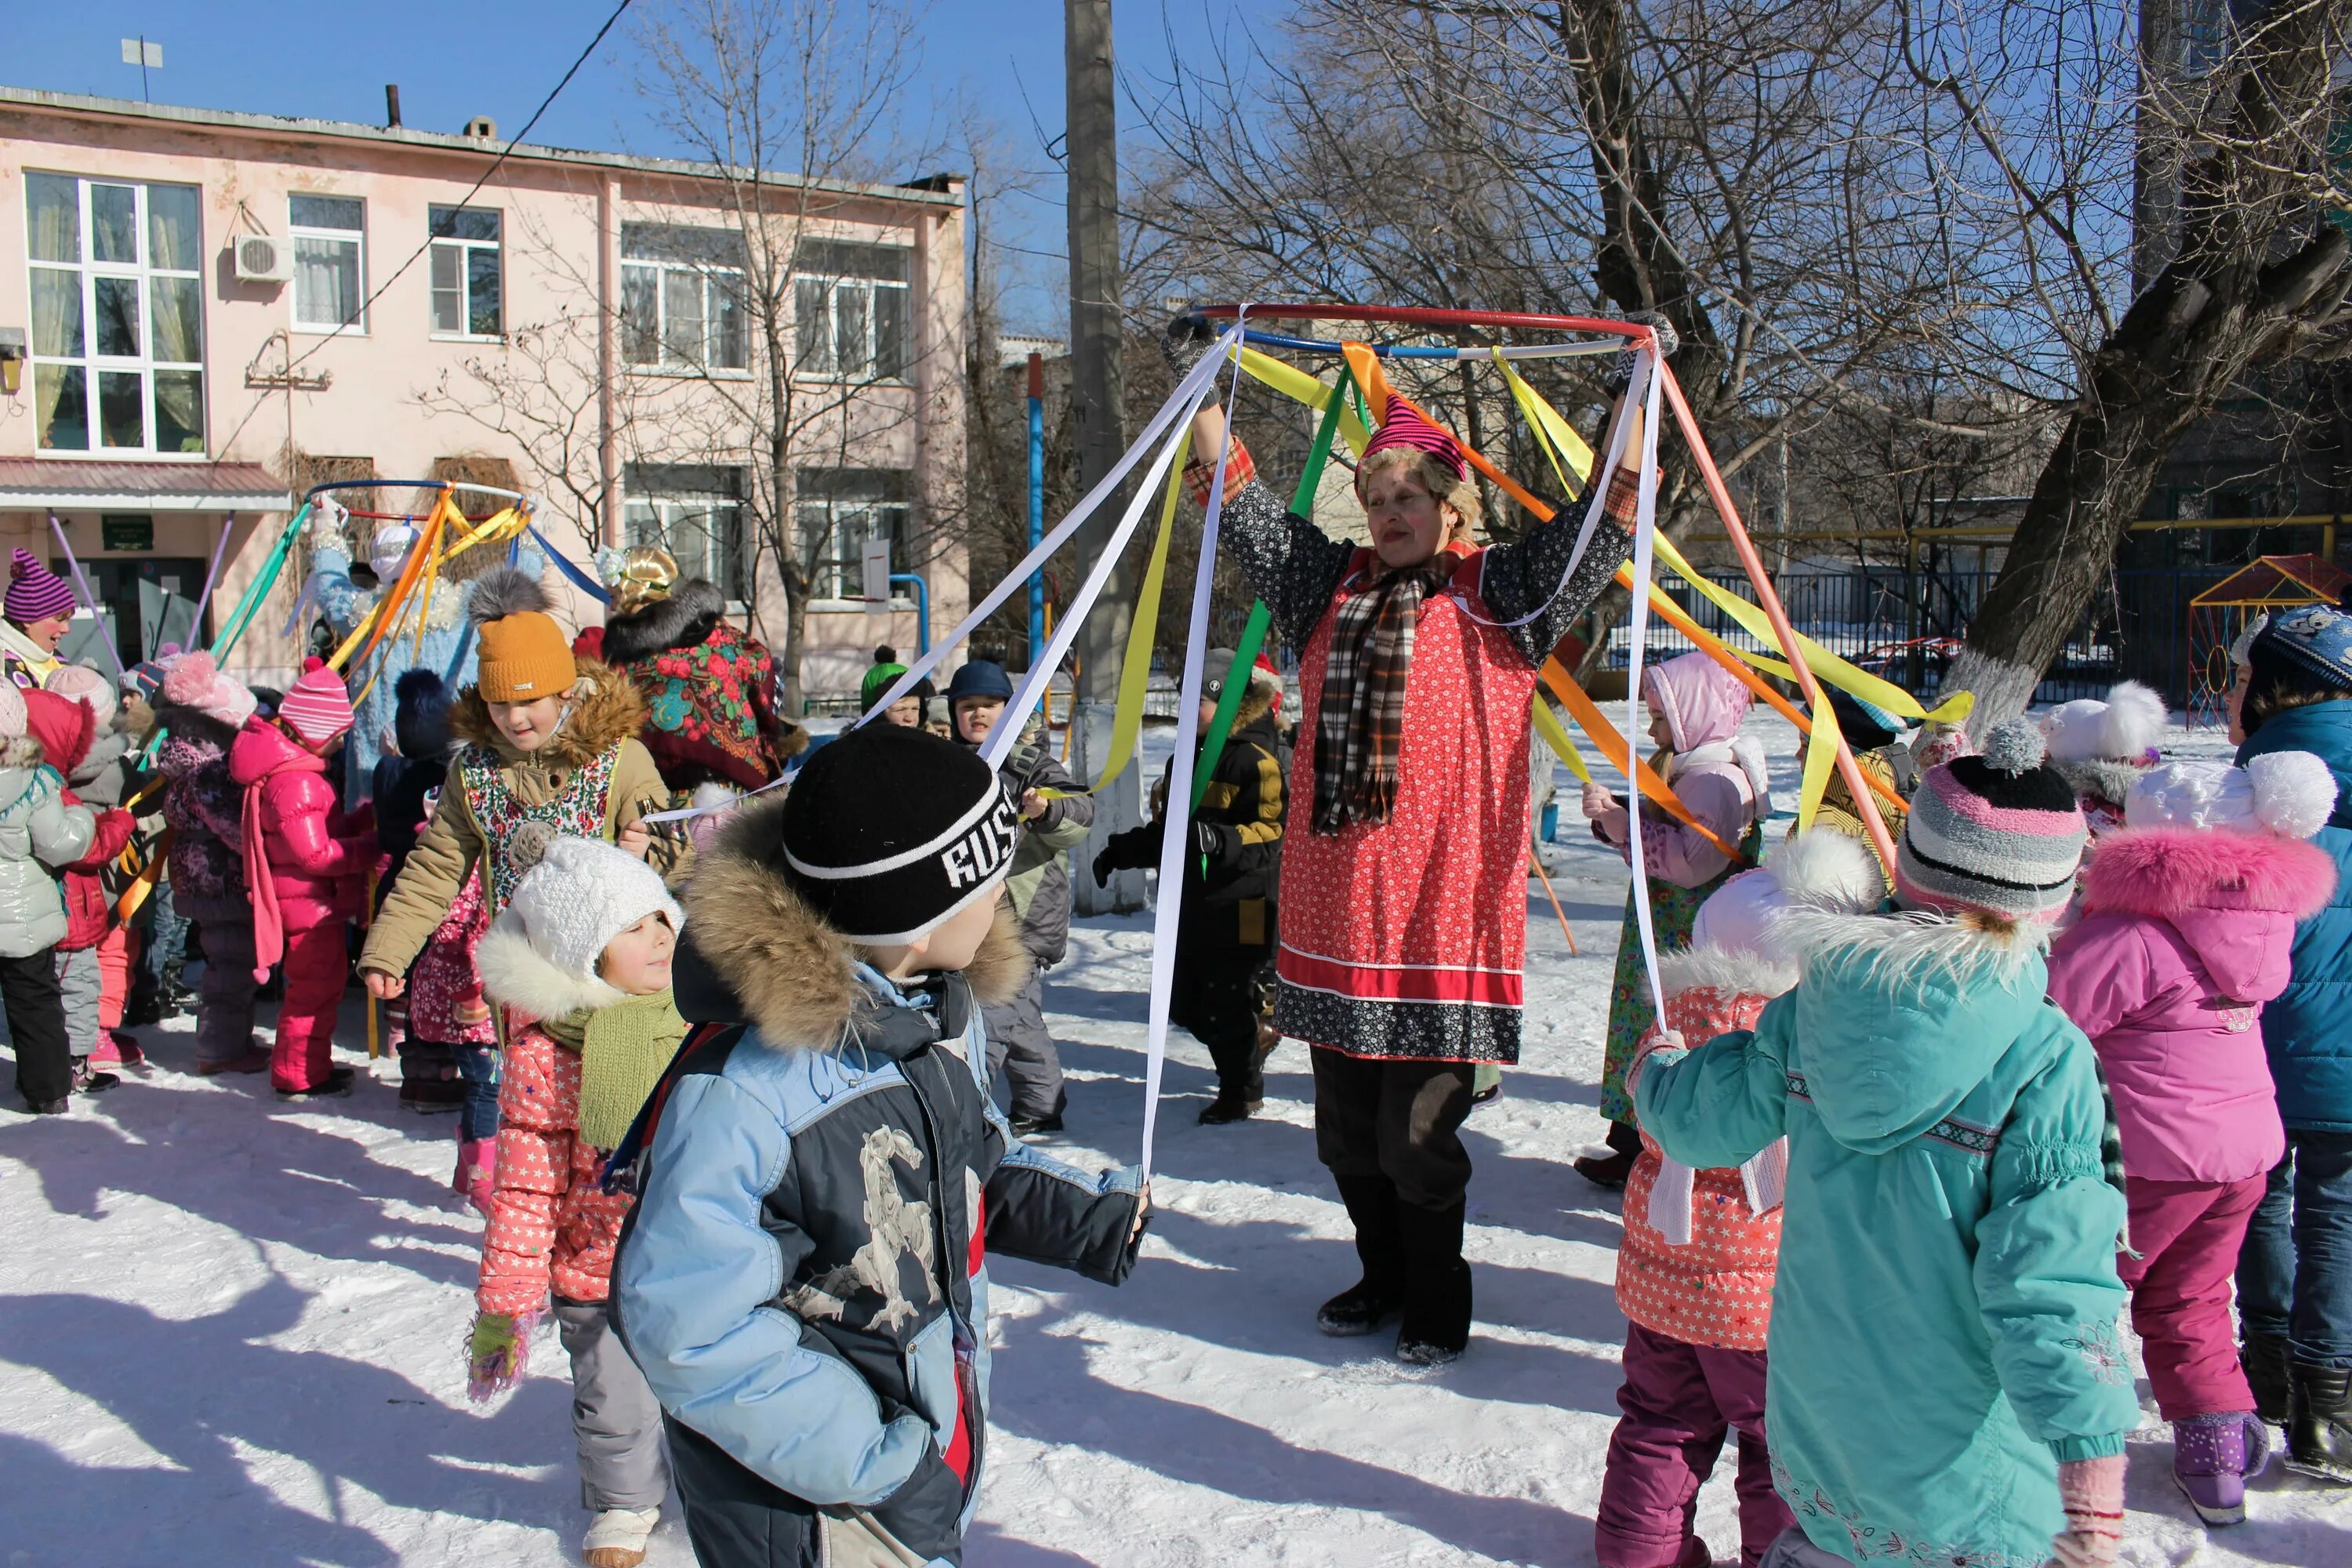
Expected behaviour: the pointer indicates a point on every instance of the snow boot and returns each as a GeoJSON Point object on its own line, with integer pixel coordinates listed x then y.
{"type": "Point", "coordinates": [115, 1049]}
{"type": "Point", "coordinates": [477, 1177]}
{"type": "Point", "coordinates": [1436, 1326]}
{"type": "Point", "coordinates": [87, 1080]}
{"type": "Point", "coordinates": [2263, 1357]}
{"type": "Point", "coordinates": [336, 1085]}
{"type": "Point", "coordinates": [1375, 1299]}
{"type": "Point", "coordinates": [1612, 1171]}
{"type": "Point", "coordinates": [47, 1107]}
{"type": "Point", "coordinates": [1228, 1108]}
{"type": "Point", "coordinates": [2213, 1457]}
{"type": "Point", "coordinates": [2319, 1422]}
{"type": "Point", "coordinates": [616, 1537]}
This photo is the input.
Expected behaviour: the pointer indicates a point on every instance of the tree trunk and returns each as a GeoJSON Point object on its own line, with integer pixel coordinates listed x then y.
{"type": "Point", "coordinates": [788, 657]}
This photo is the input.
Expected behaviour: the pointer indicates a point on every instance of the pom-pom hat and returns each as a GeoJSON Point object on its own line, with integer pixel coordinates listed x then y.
{"type": "Point", "coordinates": [35, 593]}
{"type": "Point", "coordinates": [2309, 647]}
{"type": "Point", "coordinates": [524, 653]}
{"type": "Point", "coordinates": [318, 706]}
{"type": "Point", "coordinates": [889, 831]}
{"type": "Point", "coordinates": [192, 680]}
{"type": "Point", "coordinates": [1402, 426]}
{"type": "Point", "coordinates": [2126, 727]}
{"type": "Point", "coordinates": [2287, 795]}
{"type": "Point", "coordinates": [1999, 833]}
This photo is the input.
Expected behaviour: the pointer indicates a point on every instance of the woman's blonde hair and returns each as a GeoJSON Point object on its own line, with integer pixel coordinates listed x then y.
{"type": "Point", "coordinates": [1460, 493]}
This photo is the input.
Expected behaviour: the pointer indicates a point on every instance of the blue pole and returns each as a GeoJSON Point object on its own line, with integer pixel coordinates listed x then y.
{"type": "Point", "coordinates": [1036, 499]}
{"type": "Point", "coordinates": [922, 609]}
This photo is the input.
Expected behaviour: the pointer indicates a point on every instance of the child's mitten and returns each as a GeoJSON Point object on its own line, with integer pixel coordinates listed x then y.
{"type": "Point", "coordinates": [497, 1353]}
{"type": "Point", "coordinates": [2091, 1491]}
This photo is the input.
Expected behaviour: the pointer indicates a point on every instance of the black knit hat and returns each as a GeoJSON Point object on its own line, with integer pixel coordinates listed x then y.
{"type": "Point", "coordinates": [889, 831]}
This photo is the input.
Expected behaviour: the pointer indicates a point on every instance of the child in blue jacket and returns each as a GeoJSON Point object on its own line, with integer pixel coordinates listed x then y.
{"type": "Point", "coordinates": [2295, 1275]}
{"type": "Point", "coordinates": [802, 1280]}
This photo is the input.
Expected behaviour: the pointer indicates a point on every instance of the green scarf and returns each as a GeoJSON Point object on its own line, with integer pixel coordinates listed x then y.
{"type": "Point", "coordinates": [622, 1051]}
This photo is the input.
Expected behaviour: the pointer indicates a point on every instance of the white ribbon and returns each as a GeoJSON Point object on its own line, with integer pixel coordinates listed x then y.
{"type": "Point", "coordinates": [1764, 1175]}
{"type": "Point", "coordinates": [1645, 516]}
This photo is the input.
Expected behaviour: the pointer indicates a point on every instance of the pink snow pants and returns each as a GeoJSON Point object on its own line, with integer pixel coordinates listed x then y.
{"type": "Point", "coordinates": [316, 970]}
{"type": "Point", "coordinates": [2187, 1234]}
{"type": "Point", "coordinates": [1680, 1401]}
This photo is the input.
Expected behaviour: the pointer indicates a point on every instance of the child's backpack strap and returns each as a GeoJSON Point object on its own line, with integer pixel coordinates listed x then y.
{"type": "Point", "coordinates": [705, 1049]}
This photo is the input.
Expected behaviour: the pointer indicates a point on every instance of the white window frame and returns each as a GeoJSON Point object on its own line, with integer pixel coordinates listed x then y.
{"type": "Point", "coordinates": [462, 253]}
{"type": "Point", "coordinates": [652, 515]}
{"type": "Point", "coordinates": [835, 284]}
{"type": "Point", "coordinates": [93, 365]}
{"type": "Point", "coordinates": [853, 519]}
{"type": "Point", "coordinates": [294, 232]}
{"type": "Point", "coordinates": [719, 283]}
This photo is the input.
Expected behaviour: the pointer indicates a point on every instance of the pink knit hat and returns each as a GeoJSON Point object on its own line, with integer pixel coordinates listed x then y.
{"type": "Point", "coordinates": [318, 706]}
{"type": "Point", "coordinates": [35, 593]}
{"type": "Point", "coordinates": [192, 680]}
{"type": "Point", "coordinates": [84, 684]}
{"type": "Point", "coordinates": [1405, 427]}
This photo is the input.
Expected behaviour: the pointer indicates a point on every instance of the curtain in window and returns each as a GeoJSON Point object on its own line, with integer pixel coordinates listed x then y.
{"type": "Point", "coordinates": [53, 206]}
{"type": "Point", "coordinates": [326, 281]}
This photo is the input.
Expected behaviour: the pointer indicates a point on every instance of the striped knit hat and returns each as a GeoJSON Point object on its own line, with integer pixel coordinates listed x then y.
{"type": "Point", "coordinates": [1402, 426]}
{"type": "Point", "coordinates": [1999, 833]}
{"type": "Point", "coordinates": [318, 706]}
{"type": "Point", "coordinates": [35, 593]}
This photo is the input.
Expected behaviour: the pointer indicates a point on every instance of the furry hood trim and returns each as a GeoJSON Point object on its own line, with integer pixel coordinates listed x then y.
{"type": "Point", "coordinates": [1925, 943]}
{"type": "Point", "coordinates": [515, 976]}
{"type": "Point", "coordinates": [1732, 974]}
{"type": "Point", "coordinates": [2103, 779]}
{"type": "Point", "coordinates": [792, 973]}
{"type": "Point", "coordinates": [606, 708]}
{"type": "Point", "coordinates": [680, 620]}
{"type": "Point", "coordinates": [2172, 872]}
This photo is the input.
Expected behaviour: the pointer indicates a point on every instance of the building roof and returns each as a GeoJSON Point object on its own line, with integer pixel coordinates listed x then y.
{"type": "Point", "coordinates": [28, 483]}
{"type": "Point", "coordinates": [924, 192]}
{"type": "Point", "coordinates": [2279, 582]}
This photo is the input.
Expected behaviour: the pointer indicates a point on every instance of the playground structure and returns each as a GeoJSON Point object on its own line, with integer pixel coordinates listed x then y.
{"type": "Point", "coordinates": [2218, 616]}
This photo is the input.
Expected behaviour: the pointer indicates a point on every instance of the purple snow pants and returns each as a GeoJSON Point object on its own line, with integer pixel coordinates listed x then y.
{"type": "Point", "coordinates": [1680, 1401]}
{"type": "Point", "coordinates": [2187, 1234]}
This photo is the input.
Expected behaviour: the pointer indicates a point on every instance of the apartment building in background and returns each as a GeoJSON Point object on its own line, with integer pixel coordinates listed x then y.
{"type": "Point", "coordinates": [203, 313]}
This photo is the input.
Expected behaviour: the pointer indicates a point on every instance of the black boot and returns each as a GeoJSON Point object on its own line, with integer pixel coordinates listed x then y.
{"type": "Point", "coordinates": [1375, 1299]}
{"type": "Point", "coordinates": [1612, 1170]}
{"type": "Point", "coordinates": [2263, 1356]}
{"type": "Point", "coordinates": [1437, 1287]}
{"type": "Point", "coordinates": [2319, 1422]}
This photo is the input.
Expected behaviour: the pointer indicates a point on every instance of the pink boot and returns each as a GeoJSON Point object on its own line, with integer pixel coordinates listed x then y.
{"type": "Point", "coordinates": [478, 1163]}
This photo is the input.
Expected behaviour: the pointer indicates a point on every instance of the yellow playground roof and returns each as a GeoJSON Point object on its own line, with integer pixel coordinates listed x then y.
{"type": "Point", "coordinates": [2278, 581]}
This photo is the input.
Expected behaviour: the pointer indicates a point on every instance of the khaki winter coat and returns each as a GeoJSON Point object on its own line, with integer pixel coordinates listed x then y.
{"type": "Point", "coordinates": [610, 713]}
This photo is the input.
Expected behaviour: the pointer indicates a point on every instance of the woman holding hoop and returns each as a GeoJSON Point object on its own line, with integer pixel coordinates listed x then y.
{"type": "Point", "coordinates": [1403, 885]}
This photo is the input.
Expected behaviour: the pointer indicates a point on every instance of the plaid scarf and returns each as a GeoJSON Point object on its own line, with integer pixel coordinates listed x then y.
{"type": "Point", "coordinates": [1361, 730]}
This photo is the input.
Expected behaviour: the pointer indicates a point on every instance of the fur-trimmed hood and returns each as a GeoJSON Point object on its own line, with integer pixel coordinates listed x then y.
{"type": "Point", "coordinates": [515, 976]}
{"type": "Point", "coordinates": [2173, 872]}
{"type": "Point", "coordinates": [2102, 779]}
{"type": "Point", "coordinates": [681, 619]}
{"type": "Point", "coordinates": [1732, 974]}
{"type": "Point", "coordinates": [606, 708]}
{"type": "Point", "coordinates": [1902, 1015]}
{"type": "Point", "coordinates": [792, 975]}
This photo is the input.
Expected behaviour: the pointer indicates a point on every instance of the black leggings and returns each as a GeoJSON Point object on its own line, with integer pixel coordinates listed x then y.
{"type": "Point", "coordinates": [36, 1022]}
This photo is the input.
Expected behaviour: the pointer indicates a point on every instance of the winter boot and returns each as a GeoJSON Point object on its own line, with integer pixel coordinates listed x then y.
{"type": "Point", "coordinates": [477, 1177]}
{"type": "Point", "coordinates": [2263, 1356]}
{"type": "Point", "coordinates": [87, 1080]}
{"type": "Point", "coordinates": [254, 1059]}
{"type": "Point", "coordinates": [617, 1537]}
{"type": "Point", "coordinates": [115, 1049]}
{"type": "Point", "coordinates": [1610, 1172]}
{"type": "Point", "coordinates": [1372, 1300]}
{"type": "Point", "coordinates": [336, 1085]}
{"type": "Point", "coordinates": [2319, 1422]}
{"type": "Point", "coordinates": [1436, 1326]}
{"type": "Point", "coordinates": [2213, 1457]}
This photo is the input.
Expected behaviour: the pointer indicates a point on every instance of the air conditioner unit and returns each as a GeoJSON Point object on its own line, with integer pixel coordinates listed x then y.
{"type": "Point", "coordinates": [264, 259]}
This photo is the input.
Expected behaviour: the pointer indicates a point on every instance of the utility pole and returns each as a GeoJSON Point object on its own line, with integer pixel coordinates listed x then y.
{"type": "Point", "coordinates": [1098, 405]}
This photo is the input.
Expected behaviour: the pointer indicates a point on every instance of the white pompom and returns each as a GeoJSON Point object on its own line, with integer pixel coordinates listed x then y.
{"type": "Point", "coordinates": [2014, 747]}
{"type": "Point", "coordinates": [2295, 793]}
{"type": "Point", "coordinates": [1829, 871]}
{"type": "Point", "coordinates": [2134, 723]}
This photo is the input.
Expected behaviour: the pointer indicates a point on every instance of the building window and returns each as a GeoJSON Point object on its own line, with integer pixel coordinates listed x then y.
{"type": "Point", "coordinates": [839, 511]}
{"type": "Point", "coordinates": [693, 511]}
{"type": "Point", "coordinates": [682, 297]}
{"type": "Point", "coordinates": [466, 272]}
{"type": "Point", "coordinates": [850, 311]}
{"type": "Point", "coordinates": [329, 262]}
{"type": "Point", "coordinates": [118, 315]}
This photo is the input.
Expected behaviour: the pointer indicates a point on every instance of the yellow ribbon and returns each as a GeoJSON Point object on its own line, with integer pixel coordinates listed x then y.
{"type": "Point", "coordinates": [1300, 388]}
{"type": "Point", "coordinates": [1561, 445]}
{"type": "Point", "coordinates": [1547, 725]}
{"type": "Point", "coordinates": [1135, 673]}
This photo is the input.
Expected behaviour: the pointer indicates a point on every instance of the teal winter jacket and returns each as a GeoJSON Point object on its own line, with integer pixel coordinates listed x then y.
{"type": "Point", "coordinates": [2307, 1031]}
{"type": "Point", "coordinates": [1944, 1319]}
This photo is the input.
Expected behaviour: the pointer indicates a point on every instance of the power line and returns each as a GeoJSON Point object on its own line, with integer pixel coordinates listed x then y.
{"type": "Point", "coordinates": [361, 314]}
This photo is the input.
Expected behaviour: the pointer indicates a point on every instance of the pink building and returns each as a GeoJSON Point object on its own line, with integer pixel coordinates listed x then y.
{"type": "Point", "coordinates": [201, 311]}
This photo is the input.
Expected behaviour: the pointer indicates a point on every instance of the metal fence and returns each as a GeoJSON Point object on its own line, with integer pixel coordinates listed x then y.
{"type": "Point", "coordinates": [1905, 624]}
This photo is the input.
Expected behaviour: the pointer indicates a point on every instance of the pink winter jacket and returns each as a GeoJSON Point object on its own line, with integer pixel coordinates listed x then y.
{"type": "Point", "coordinates": [313, 866]}
{"type": "Point", "coordinates": [1716, 775]}
{"type": "Point", "coordinates": [2185, 934]}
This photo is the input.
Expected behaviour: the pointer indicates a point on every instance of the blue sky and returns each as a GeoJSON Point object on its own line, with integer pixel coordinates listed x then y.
{"type": "Point", "coordinates": [455, 59]}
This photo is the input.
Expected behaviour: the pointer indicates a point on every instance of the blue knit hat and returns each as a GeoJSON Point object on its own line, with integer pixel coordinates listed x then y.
{"type": "Point", "coordinates": [980, 677]}
{"type": "Point", "coordinates": [2313, 643]}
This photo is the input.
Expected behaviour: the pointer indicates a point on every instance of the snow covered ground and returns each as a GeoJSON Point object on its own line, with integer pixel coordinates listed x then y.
{"type": "Point", "coordinates": [230, 1330]}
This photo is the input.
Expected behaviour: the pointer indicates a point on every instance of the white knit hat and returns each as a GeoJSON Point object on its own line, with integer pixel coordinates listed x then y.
{"type": "Point", "coordinates": [2128, 726]}
{"type": "Point", "coordinates": [12, 711]}
{"type": "Point", "coordinates": [1820, 869]}
{"type": "Point", "coordinates": [2287, 795]}
{"type": "Point", "coordinates": [576, 895]}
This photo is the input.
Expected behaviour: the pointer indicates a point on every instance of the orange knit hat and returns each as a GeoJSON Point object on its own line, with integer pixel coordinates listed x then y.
{"type": "Point", "coordinates": [525, 655]}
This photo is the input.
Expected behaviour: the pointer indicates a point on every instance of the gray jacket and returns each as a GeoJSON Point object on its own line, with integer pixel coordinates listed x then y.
{"type": "Point", "coordinates": [38, 832]}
